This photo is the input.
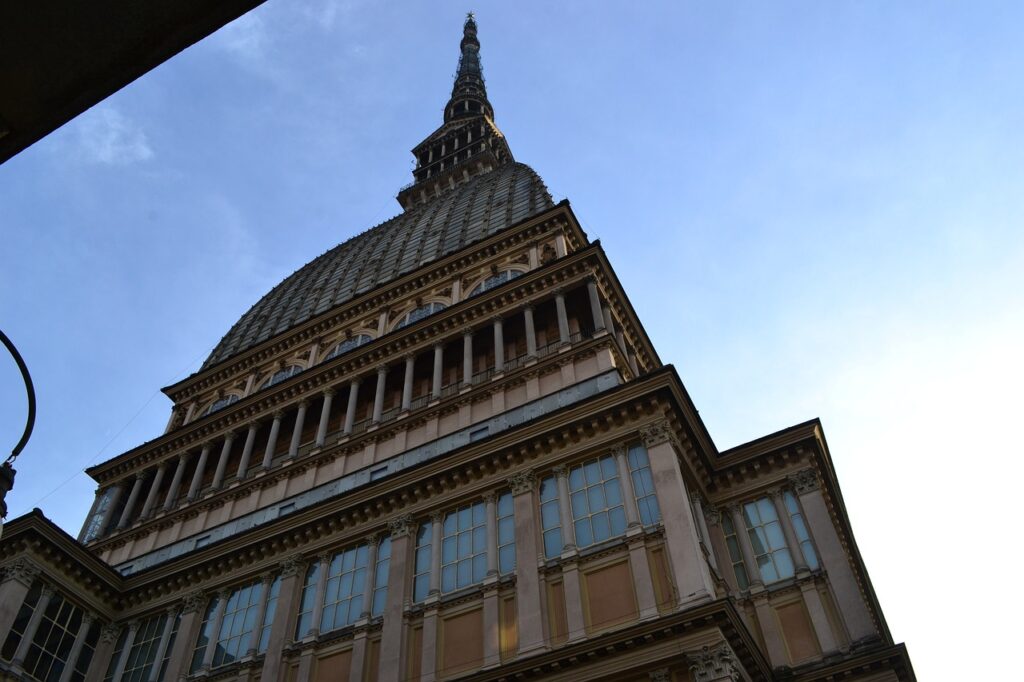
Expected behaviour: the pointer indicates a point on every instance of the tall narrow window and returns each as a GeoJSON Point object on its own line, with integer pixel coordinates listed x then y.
{"type": "Point", "coordinates": [17, 631]}
{"type": "Point", "coordinates": [238, 625]}
{"type": "Point", "coordinates": [506, 534]}
{"type": "Point", "coordinates": [116, 656]}
{"type": "Point", "coordinates": [47, 655]}
{"type": "Point", "coordinates": [643, 485]}
{"type": "Point", "coordinates": [94, 528]}
{"type": "Point", "coordinates": [550, 521]}
{"type": "Point", "coordinates": [464, 547]}
{"type": "Point", "coordinates": [424, 559]}
{"type": "Point", "coordinates": [142, 655]}
{"type": "Point", "coordinates": [268, 619]}
{"type": "Point", "coordinates": [346, 581]}
{"type": "Point", "coordinates": [308, 601]}
{"type": "Point", "coordinates": [205, 635]}
{"type": "Point", "coordinates": [596, 501]}
{"type": "Point", "coordinates": [770, 552]}
{"type": "Point", "coordinates": [380, 578]}
{"type": "Point", "coordinates": [735, 554]}
{"type": "Point", "coordinates": [800, 526]}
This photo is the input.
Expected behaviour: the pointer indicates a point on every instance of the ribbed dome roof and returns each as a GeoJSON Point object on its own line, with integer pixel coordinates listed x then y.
{"type": "Point", "coordinates": [482, 206]}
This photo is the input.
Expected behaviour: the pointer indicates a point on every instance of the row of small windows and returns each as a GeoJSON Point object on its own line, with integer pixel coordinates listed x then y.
{"type": "Point", "coordinates": [414, 315]}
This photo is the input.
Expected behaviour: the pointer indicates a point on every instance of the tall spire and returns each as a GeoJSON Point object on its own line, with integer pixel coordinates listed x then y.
{"type": "Point", "coordinates": [468, 143]}
{"type": "Point", "coordinates": [469, 94]}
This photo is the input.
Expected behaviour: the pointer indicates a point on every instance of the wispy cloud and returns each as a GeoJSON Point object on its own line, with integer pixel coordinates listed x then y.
{"type": "Point", "coordinates": [107, 136]}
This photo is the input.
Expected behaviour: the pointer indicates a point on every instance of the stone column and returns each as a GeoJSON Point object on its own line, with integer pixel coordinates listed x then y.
{"type": "Point", "coordinates": [133, 499]}
{"type": "Point", "coordinates": [492, 638]}
{"type": "Point", "coordinates": [435, 387]}
{"type": "Point", "coordinates": [595, 304]}
{"type": "Point", "coordinates": [688, 565]}
{"type": "Point", "coordinates": [531, 333]}
{"type": "Point", "coordinates": [428, 659]}
{"type": "Point", "coordinates": [371, 573]}
{"type": "Point", "coordinates": [746, 549]}
{"type": "Point", "coordinates": [378, 397]}
{"type": "Point", "coordinates": [698, 510]}
{"type": "Point", "coordinates": [266, 580]}
{"type": "Point", "coordinates": [492, 533]}
{"type": "Point", "coordinates": [528, 583]}
{"type": "Point", "coordinates": [318, 598]}
{"type": "Point", "coordinates": [122, 660]}
{"type": "Point", "coordinates": [410, 367]}
{"type": "Point", "coordinates": [563, 317]}
{"type": "Point", "coordinates": [832, 556]}
{"type": "Point", "coordinates": [467, 357]}
{"type": "Point", "coordinates": [104, 650]}
{"type": "Point", "coordinates": [393, 634]}
{"type": "Point", "coordinates": [18, 576]}
{"type": "Point", "coordinates": [609, 324]}
{"type": "Point", "coordinates": [774, 645]}
{"type": "Point", "coordinates": [560, 246]}
{"type": "Point", "coordinates": [646, 601]}
{"type": "Point", "coordinates": [197, 477]}
{"type": "Point", "coordinates": [499, 346]}
{"type": "Point", "coordinates": [284, 618]}
{"type": "Point", "coordinates": [218, 622]}
{"type": "Point", "coordinates": [161, 648]}
{"type": "Point", "coordinates": [300, 421]}
{"type": "Point", "coordinates": [179, 473]}
{"type": "Point", "coordinates": [76, 648]}
{"type": "Point", "coordinates": [573, 599]}
{"type": "Point", "coordinates": [714, 664]}
{"type": "Point", "coordinates": [564, 510]}
{"type": "Point", "coordinates": [795, 550]}
{"type": "Point", "coordinates": [436, 537]}
{"type": "Point", "coordinates": [350, 411]}
{"type": "Point", "coordinates": [108, 515]}
{"type": "Point", "coordinates": [188, 631]}
{"type": "Point", "coordinates": [222, 462]}
{"type": "Point", "coordinates": [250, 441]}
{"type": "Point", "coordinates": [154, 489]}
{"type": "Point", "coordinates": [628, 494]}
{"type": "Point", "coordinates": [275, 429]}
{"type": "Point", "coordinates": [325, 418]}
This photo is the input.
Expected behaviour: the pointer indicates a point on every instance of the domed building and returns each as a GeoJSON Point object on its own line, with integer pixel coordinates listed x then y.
{"type": "Point", "coordinates": [447, 449]}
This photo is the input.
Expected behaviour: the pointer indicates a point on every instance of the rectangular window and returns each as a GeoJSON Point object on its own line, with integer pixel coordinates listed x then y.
{"type": "Point", "coordinates": [142, 655]}
{"type": "Point", "coordinates": [238, 624]}
{"type": "Point", "coordinates": [378, 473]}
{"type": "Point", "coordinates": [307, 601]}
{"type": "Point", "coordinates": [28, 606]}
{"type": "Point", "coordinates": [770, 552]}
{"type": "Point", "coordinates": [346, 583]}
{"type": "Point", "coordinates": [478, 434]}
{"type": "Point", "coordinates": [268, 619]}
{"type": "Point", "coordinates": [735, 554]}
{"type": "Point", "coordinates": [202, 541]}
{"type": "Point", "coordinates": [47, 655]}
{"type": "Point", "coordinates": [643, 485]}
{"type": "Point", "coordinates": [380, 578]}
{"type": "Point", "coordinates": [203, 640]}
{"type": "Point", "coordinates": [116, 656]}
{"type": "Point", "coordinates": [596, 501]}
{"type": "Point", "coordinates": [464, 547]}
{"type": "Point", "coordinates": [506, 534]}
{"type": "Point", "coordinates": [800, 526]}
{"type": "Point", "coordinates": [550, 519]}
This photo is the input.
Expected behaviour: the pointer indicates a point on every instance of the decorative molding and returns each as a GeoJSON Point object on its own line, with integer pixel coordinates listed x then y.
{"type": "Point", "coordinates": [109, 633]}
{"type": "Point", "coordinates": [22, 570]}
{"type": "Point", "coordinates": [193, 602]}
{"type": "Point", "coordinates": [713, 515]}
{"type": "Point", "coordinates": [522, 482]}
{"type": "Point", "coordinates": [401, 526]}
{"type": "Point", "coordinates": [291, 565]}
{"type": "Point", "coordinates": [660, 675]}
{"type": "Point", "coordinates": [714, 664]}
{"type": "Point", "coordinates": [561, 471]}
{"type": "Point", "coordinates": [804, 481]}
{"type": "Point", "coordinates": [657, 433]}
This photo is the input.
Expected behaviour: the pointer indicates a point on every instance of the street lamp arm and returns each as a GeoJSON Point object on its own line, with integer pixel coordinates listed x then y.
{"type": "Point", "coordinates": [30, 389]}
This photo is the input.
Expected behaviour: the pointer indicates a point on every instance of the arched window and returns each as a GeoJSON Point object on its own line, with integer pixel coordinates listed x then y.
{"type": "Point", "coordinates": [281, 375]}
{"type": "Point", "coordinates": [494, 280]}
{"type": "Point", "coordinates": [221, 403]}
{"type": "Point", "coordinates": [417, 314]}
{"type": "Point", "coordinates": [347, 345]}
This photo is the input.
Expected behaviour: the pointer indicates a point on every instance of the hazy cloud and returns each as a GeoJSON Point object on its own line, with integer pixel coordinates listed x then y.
{"type": "Point", "coordinates": [107, 136]}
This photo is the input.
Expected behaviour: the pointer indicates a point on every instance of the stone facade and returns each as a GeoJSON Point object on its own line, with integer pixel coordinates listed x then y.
{"type": "Point", "coordinates": [474, 467]}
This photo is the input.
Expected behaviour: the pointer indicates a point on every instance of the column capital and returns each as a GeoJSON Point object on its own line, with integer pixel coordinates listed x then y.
{"type": "Point", "coordinates": [561, 471]}
{"type": "Point", "coordinates": [657, 433]}
{"type": "Point", "coordinates": [133, 626]}
{"type": "Point", "coordinates": [528, 306]}
{"type": "Point", "coordinates": [467, 331]}
{"type": "Point", "coordinates": [291, 565]}
{"type": "Point", "coordinates": [109, 633]}
{"type": "Point", "coordinates": [304, 403]}
{"type": "Point", "coordinates": [278, 414]}
{"type": "Point", "coordinates": [714, 664]}
{"type": "Point", "coordinates": [408, 357]}
{"type": "Point", "coordinates": [267, 578]}
{"type": "Point", "coordinates": [382, 369]}
{"type": "Point", "coordinates": [401, 526]}
{"type": "Point", "coordinates": [325, 557]}
{"type": "Point", "coordinates": [660, 675]}
{"type": "Point", "coordinates": [489, 497]}
{"type": "Point", "coordinates": [193, 602]}
{"type": "Point", "coordinates": [329, 391]}
{"type": "Point", "coordinates": [47, 591]}
{"type": "Point", "coordinates": [356, 381]}
{"type": "Point", "coordinates": [713, 515]}
{"type": "Point", "coordinates": [437, 516]}
{"type": "Point", "coordinates": [22, 570]}
{"type": "Point", "coordinates": [522, 481]}
{"type": "Point", "coordinates": [372, 538]}
{"type": "Point", "coordinates": [618, 450]}
{"type": "Point", "coordinates": [804, 481]}
{"type": "Point", "coordinates": [497, 319]}
{"type": "Point", "coordinates": [224, 593]}
{"type": "Point", "coordinates": [89, 617]}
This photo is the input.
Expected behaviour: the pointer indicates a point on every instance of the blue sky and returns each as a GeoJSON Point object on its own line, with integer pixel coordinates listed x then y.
{"type": "Point", "coordinates": [816, 209]}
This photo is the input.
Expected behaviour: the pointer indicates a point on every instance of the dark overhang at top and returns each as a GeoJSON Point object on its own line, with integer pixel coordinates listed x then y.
{"type": "Point", "coordinates": [58, 59]}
